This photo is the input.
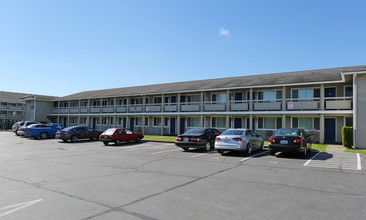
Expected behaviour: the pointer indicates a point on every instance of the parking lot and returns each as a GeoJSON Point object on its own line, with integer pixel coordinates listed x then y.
{"type": "Point", "coordinates": [48, 179]}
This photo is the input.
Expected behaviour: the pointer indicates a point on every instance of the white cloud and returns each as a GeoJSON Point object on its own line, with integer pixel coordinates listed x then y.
{"type": "Point", "coordinates": [224, 32]}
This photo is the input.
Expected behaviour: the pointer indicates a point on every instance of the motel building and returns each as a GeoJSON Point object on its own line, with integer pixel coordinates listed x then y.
{"type": "Point", "coordinates": [319, 100]}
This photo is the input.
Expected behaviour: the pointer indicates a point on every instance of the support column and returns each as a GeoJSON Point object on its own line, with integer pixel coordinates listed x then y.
{"type": "Point", "coordinates": [227, 100]}
{"type": "Point", "coordinates": [143, 123]}
{"type": "Point", "coordinates": [202, 102]}
{"type": "Point", "coordinates": [178, 104]}
{"type": "Point", "coordinates": [250, 100]}
{"type": "Point", "coordinates": [100, 122]}
{"type": "Point", "coordinates": [202, 123]}
{"type": "Point", "coordinates": [88, 121]}
{"type": "Point", "coordinates": [127, 122]}
{"type": "Point", "coordinates": [284, 107]}
{"type": "Point", "coordinates": [321, 132]}
{"type": "Point", "coordinates": [284, 121]}
{"type": "Point", "coordinates": [322, 97]}
{"type": "Point", "coordinates": [251, 122]}
{"type": "Point", "coordinates": [178, 124]}
{"type": "Point", "coordinates": [162, 125]}
{"type": "Point", "coordinates": [143, 104]}
{"type": "Point", "coordinates": [227, 126]}
{"type": "Point", "coordinates": [354, 116]}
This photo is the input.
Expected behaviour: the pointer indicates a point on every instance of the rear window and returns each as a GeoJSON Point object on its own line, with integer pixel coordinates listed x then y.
{"type": "Point", "coordinates": [195, 131]}
{"type": "Point", "coordinates": [287, 132]}
{"type": "Point", "coordinates": [109, 131]}
{"type": "Point", "coordinates": [68, 128]}
{"type": "Point", "coordinates": [232, 132]}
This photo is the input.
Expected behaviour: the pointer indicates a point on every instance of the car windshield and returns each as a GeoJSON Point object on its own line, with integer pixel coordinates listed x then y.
{"type": "Point", "coordinates": [232, 132]}
{"type": "Point", "coordinates": [287, 132]}
{"type": "Point", "coordinates": [195, 131]}
{"type": "Point", "coordinates": [109, 131]}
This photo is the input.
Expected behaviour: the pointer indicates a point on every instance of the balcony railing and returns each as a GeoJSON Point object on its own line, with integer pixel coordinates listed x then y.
{"type": "Point", "coordinates": [305, 104]}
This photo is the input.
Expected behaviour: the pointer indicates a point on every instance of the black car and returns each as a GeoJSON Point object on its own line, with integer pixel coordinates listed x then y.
{"type": "Point", "coordinates": [203, 138]}
{"type": "Point", "coordinates": [290, 140]}
{"type": "Point", "coordinates": [74, 133]}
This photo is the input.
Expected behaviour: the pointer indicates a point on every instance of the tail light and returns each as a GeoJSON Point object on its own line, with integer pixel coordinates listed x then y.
{"type": "Point", "coordinates": [217, 138]}
{"type": "Point", "coordinates": [297, 140]}
{"type": "Point", "coordinates": [195, 139]}
{"type": "Point", "coordinates": [178, 139]}
{"type": "Point", "coordinates": [272, 140]}
{"type": "Point", "coordinates": [237, 139]}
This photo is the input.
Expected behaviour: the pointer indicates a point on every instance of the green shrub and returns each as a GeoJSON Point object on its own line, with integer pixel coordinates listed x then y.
{"type": "Point", "coordinates": [347, 136]}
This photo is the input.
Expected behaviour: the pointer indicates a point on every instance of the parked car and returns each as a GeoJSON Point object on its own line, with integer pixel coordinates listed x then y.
{"type": "Point", "coordinates": [22, 127]}
{"type": "Point", "coordinates": [118, 135]}
{"type": "Point", "coordinates": [203, 138]}
{"type": "Point", "coordinates": [16, 125]}
{"type": "Point", "coordinates": [74, 133]}
{"type": "Point", "coordinates": [290, 140]}
{"type": "Point", "coordinates": [243, 140]}
{"type": "Point", "coordinates": [42, 131]}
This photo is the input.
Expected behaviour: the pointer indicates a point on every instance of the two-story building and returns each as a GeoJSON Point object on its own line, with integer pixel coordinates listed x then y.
{"type": "Point", "coordinates": [12, 108]}
{"type": "Point", "coordinates": [323, 100]}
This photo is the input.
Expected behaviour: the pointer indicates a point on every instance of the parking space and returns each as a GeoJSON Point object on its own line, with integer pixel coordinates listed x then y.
{"type": "Point", "coordinates": [49, 179]}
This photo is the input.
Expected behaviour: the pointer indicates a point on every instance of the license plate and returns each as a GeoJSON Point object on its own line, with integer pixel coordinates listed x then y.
{"type": "Point", "coordinates": [284, 141]}
{"type": "Point", "coordinates": [186, 139]}
{"type": "Point", "coordinates": [227, 141]}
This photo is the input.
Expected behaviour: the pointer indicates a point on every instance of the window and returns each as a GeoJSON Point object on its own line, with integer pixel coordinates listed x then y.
{"type": "Point", "coordinates": [349, 122]}
{"type": "Point", "coordinates": [305, 93]}
{"type": "Point", "coordinates": [104, 102]}
{"type": "Point", "coordinates": [136, 101]}
{"type": "Point", "coordinates": [104, 120]}
{"type": "Point", "coordinates": [84, 103]}
{"type": "Point", "coordinates": [157, 121]}
{"type": "Point", "coordinates": [157, 100]}
{"type": "Point", "coordinates": [190, 98]}
{"type": "Point", "coordinates": [166, 122]}
{"type": "Point", "coordinates": [111, 120]}
{"type": "Point", "coordinates": [83, 120]}
{"type": "Point", "coordinates": [348, 91]}
{"type": "Point", "coordinates": [219, 97]}
{"type": "Point", "coordinates": [269, 123]}
{"type": "Point", "coordinates": [119, 121]}
{"type": "Point", "coordinates": [193, 122]}
{"type": "Point", "coordinates": [128, 131]}
{"type": "Point", "coordinates": [218, 122]}
{"type": "Point", "coordinates": [269, 95]}
{"type": "Point", "coordinates": [248, 133]}
{"type": "Point", "coordinates": [138, 121]}
{"type": "Point", "coordinates": [237, 96]}
{"type": "Point", "coordinates": [147, 121]}
{"type": "Point", "coordinates": [95, 103]}
{"type": "Point", "coordinates": [306, 123]}
{"type": "Point", "coordinates": [72, 120]}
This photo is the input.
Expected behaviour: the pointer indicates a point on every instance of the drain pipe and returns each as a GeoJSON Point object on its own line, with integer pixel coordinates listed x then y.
{"type": "Point", "coordinates": [355, 144]}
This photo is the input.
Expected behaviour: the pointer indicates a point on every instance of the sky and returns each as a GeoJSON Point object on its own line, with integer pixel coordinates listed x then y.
{"type": "Point", "coordinates": [61, 47]}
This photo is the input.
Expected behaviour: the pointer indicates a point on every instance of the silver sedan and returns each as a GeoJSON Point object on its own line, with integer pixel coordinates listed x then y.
{"type": "Point", "coordinates": [244, 140]}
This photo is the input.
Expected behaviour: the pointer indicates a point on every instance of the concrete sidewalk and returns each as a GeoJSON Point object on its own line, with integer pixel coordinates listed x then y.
{"type": "Point", "coordinates": [332, 148]}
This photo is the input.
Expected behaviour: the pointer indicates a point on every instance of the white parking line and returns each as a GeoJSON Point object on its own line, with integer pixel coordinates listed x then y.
{"type": "Point", "coordinates": [19, 206]}
{"type": "Point", "coordinates": [198, 155]}
{"type": "Point", "coordinates": [307, 162]}
{"type": "Point", "coordinates": [358, 161]}
{"type": "Point", "coordinates": [165, 151]}
{"type": "Point", "coordinates": [253, 156]}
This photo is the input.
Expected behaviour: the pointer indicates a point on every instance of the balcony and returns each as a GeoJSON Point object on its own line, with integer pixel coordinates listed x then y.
{"type": "Point", "coordinates": [74, 110]}
{"type": "Point", "coordinates": [83, 109]}
{"type": "Point", "coordinates": [268, 105]}
{"type": "Point", "coordinates": [190, 107]}
{"type": "Point", "coordinates": [136, 108]}
{"type": "Point", "coordinates": [214, 106]}
{"type": "Point", "coordinates": [64, 110]}
{"type": "Point", "coordinates": [170, 107]}
{"type": "Point", "coordinates": [94, 109]}
{"type": "Point", "coordinates": [338, 103]}
{"type": "Point", "coordinates": [303, 104]}
{"type": "Point", "coordinates": [108, 109]}
{"type": "Point", "coordinates": [153, 108]}
{"type": "Point", "coordinates": [121, 108]}
{"type": "Point", "coordinates": [239, 105]}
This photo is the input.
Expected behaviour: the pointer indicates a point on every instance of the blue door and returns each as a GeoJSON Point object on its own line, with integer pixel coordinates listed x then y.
{"type": "Point", "coordinates": [329, 130]}
{"type": "Point", "coordinates": [125, 122]}
{"type": "Point", "coordinates": [182, 127]}
{"type": "Point", "coordinates": [94, 123]}
{"type": "Point", "coordinates": [237, 123]}
{"type": "Point", "coordinates": [172, 126]}
{"type": "Point", "coordinates": [132, 124]}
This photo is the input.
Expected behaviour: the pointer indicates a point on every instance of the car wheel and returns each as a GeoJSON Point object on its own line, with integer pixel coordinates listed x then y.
{"type": "Point", "coordinates": [64, 140]}
{"type": "Point", "coordinates": [262, 146]}
{"type": "Point", "coordinates": [74, 139]}
{"type": "Point", "coordinates": [185, 148]}
{"type": "Point", "coordinates": [117, 142]}
{"type": "Point", "coordinates": [105, 143]}
{"type": "Point", "coordinates": [248, 150]}
{"type": "Point", "coordinates": [207, 146]}
{"type": "Point", "coordinates": [138, 140]}
{"type": "Point", "coordinates": [44, 135]}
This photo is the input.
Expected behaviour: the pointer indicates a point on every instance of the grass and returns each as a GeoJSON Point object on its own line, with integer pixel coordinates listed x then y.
{"type": "Point", "coordinates": [159, 138]}
{"type": "Point", "coordinates": [320, 147]}
{"type": "Point", "coordinates": [356, 151]}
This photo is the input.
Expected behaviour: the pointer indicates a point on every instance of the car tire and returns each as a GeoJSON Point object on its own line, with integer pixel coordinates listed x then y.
{"type": "Point", "coordinates": [185, 148]}
{"type": "Point", "coordinates": [43, 135]}
{"type": "Point", "coordinates": [64, 140]}
{"type": "Point", "coordinates": [138, 140]}
{"type": "Point", "coordinates": [74, 139]}
{"type": "Point", "coordinates": [207, 146]}
{"type": "Point", "coordinates": [105, 143]}
{"type": "Point", "coordinates": [262, 146]}
{"type": "Point", "coordinates": [248, 150]}
{"type": "Point", "coordinates": [117, 142]}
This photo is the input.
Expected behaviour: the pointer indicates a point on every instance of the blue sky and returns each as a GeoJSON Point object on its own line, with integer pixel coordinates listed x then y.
{"type": "Point", "coordinates": [64, 47]}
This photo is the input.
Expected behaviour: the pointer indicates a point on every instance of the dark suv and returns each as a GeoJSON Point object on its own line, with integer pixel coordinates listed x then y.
{"type": "Point", "coordinates": [74, 133]}
{"type": "Point", "coordinates": [203, 138]}
{"type": "Point", "coordinates": [290, 140]}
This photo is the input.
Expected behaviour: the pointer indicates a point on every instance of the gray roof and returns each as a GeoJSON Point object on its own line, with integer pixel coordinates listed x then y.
{"type": "Point", "coordinates": [309, 76]}
{"type": "Point", "coordinates": [14, 97]}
